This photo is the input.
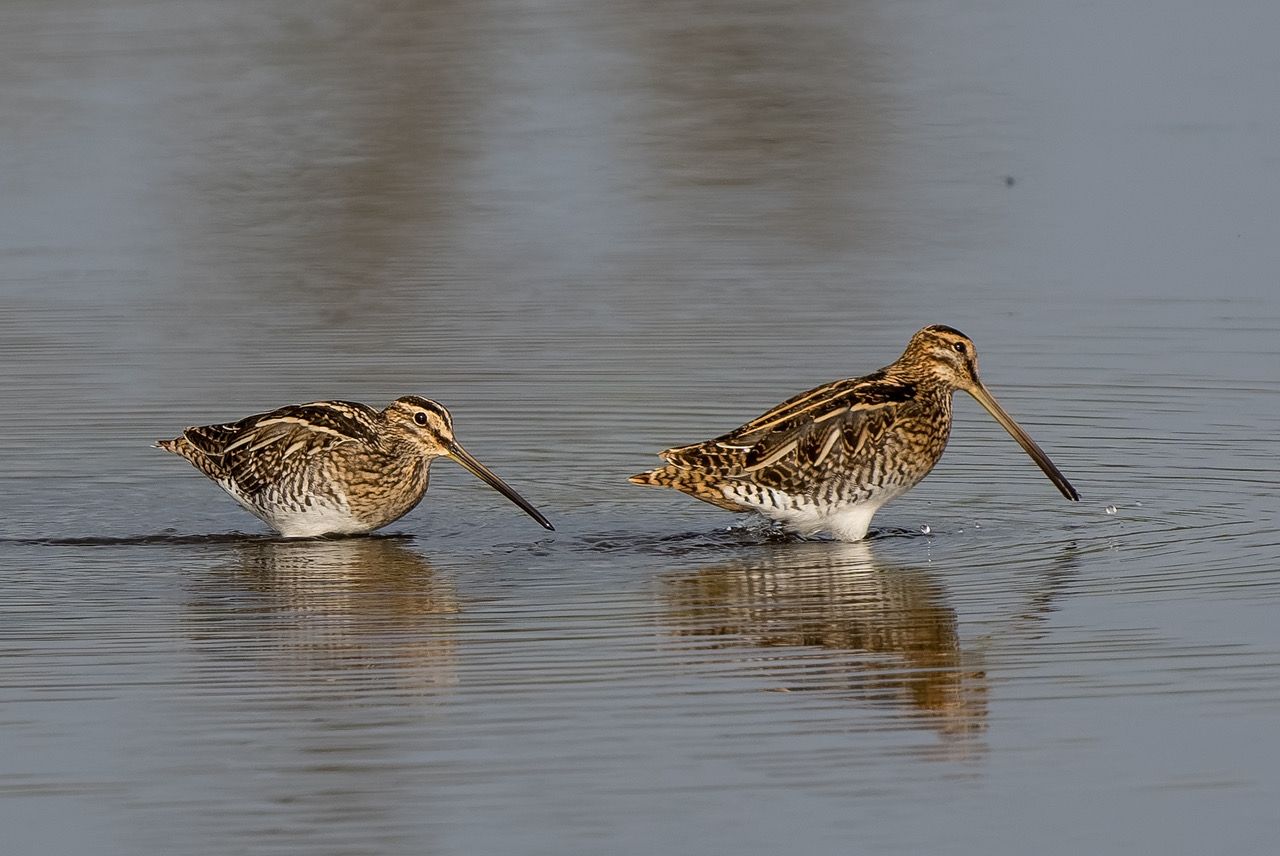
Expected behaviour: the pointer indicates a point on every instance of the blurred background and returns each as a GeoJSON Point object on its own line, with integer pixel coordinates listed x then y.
{"type": "Point", "coordinates": [595, 230]}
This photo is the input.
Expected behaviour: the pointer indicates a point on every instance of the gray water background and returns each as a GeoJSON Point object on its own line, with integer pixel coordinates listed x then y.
{"type": "Point", "coordinates": [595, 230]}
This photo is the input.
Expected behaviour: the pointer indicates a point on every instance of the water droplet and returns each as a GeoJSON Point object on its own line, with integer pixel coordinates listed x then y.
{"type": "Point", "coordinates": [1111, 509]}
{"type": "Point", "coordinates": [925, 529]}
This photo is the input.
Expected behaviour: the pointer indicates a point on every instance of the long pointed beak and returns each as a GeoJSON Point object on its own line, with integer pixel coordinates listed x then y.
{"type": "Point", "coordinates": [480, 471]}
{"type": "Point", "coordinates": [1028, 445]}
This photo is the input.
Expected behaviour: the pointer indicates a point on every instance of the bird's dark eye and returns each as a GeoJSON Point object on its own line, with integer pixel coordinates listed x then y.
{"type": "Point", "coordinates": [420, 418]}
{"type": "Point", "coordinates": [960, 347]}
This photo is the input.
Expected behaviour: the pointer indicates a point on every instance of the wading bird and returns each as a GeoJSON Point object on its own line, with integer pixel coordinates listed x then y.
{"type": "Point", "coordinates": [332, 467]}
{"type": "Point", "coordinates": [828, 459]}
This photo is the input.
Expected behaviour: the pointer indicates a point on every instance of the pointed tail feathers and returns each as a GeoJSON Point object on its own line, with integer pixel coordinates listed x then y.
{"type": "Point", "coordinates": [694, 483]}
{"type": "Point", "coordinates": [661, 477]}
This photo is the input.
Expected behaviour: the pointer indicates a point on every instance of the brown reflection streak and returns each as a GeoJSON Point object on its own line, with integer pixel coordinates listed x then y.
{"type": "Point", "coordinates": [891, 635]}
{"type": "Point", "coordinates": [777, 101]}
{"type": "Point", "coordinates": [349, 604]}
{"type": "Point", "coordinates": [360, 133]}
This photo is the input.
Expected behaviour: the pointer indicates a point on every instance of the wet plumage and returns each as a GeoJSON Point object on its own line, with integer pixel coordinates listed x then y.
{"type": "Point", "coordinates": [829, 458]}
{"type": "Point", "coordinates": [332, 467]}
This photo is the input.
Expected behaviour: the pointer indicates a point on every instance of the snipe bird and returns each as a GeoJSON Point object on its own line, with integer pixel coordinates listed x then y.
{"type": "Point", "coordinates": [828, 459]}
{"type": "Point", "coordinates": [332, 467]}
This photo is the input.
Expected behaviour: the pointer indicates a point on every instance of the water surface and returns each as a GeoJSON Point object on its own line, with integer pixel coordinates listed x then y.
{"type": "Point", "coordinates": [595, 232]}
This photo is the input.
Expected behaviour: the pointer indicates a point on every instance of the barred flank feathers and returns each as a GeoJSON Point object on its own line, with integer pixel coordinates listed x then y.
{"type": "Point", "coordinates": [695, 484]}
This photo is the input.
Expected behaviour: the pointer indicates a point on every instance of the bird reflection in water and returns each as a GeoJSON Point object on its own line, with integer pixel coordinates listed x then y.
{"type": "Point", "coordinates": [832, 617]}
{"type": "Point", "coordinates": [315, 606]}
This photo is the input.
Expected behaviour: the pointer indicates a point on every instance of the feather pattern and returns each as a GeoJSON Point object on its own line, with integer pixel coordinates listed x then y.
{"type": "Point", "coordinates": [825, 440]}
{"type": "Point", "coordinates": [251, 453]}
{"type": "Point", "coordinates": [332, 467]}
{"type": "Point", "coordinates": [828, 458]}
{"type": "Point", "coordinates": [326, 467]}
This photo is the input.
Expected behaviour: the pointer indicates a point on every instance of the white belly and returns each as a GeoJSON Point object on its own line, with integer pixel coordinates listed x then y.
{"type": "Point", "coordinates": [318, 518]}
{"type": "Point", "coordinates": [845, 521]}
{"type": "Point", "coordinates": [322, 520]}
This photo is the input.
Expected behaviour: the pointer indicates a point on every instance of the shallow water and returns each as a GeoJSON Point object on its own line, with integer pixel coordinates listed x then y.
{"type": "Point", "coordinates": [594, 232]}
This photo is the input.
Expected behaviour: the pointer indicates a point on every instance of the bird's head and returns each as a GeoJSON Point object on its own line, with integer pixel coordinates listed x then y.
{"type": "Point", "coordinates": [948, 356]}
{"type": "Point", "coordinates": [943, 354]}
{"type": "Point", "coordinates": [422, 423]}
{"type": "Point", "coordinates": [427, 426]}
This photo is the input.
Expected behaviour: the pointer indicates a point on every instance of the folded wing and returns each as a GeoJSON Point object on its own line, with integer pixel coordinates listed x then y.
{"type": "Point", "coordinates": [252, 452]}
{"type": "Point", "coordinates": [786, 446]}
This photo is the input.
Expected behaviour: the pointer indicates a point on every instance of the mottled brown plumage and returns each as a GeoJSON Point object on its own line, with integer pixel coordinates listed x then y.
{"type": "Point", "coordinates": [827, 459]}
{"type": "Point", "coordinates": [332, 467]}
